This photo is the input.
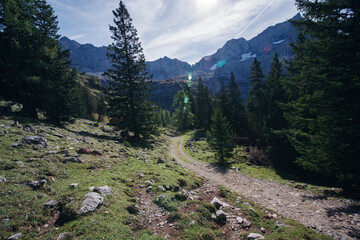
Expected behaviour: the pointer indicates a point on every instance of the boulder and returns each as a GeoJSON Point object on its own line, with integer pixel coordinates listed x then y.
{"type": "Point", "coordinates": [253, 236]}
{"type": "Point", "coordinates": [103, 190]}
{"type": "Point", "coordinates": [92, 201]}
{"type": "Point", "coordinates": [89, 151]}
{"type": "Point", "coordinates": [37, 184]}
{"type": "Point", "coordinates": [14, 237]}
{"type": "Point", "coordinates": [35, 140]}
{"type": "Point", "coordinates": [51, 203]}
{"type": "Point", "coordinates": [239, 220]}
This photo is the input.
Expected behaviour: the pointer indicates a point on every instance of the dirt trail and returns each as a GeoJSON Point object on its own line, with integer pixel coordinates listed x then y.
{"type": "Point", "coordinates": [337, 218]}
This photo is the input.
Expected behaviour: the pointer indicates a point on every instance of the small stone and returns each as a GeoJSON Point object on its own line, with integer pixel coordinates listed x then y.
{"type": "Point", "coordinates": [51, 203]}
{"type": "Point", "coordinates": [62, 235]}
{"type": "Point", "coordinates": [221, 216]}
{"type": "Point", "coordinates": [253, 236]}
{"type": "Point", "coordinates": [149, 189]}
{"type": "Point", "coordinates": [2, 179]}
{"type": "Point", "coordinates": [91, 188]}
{"type": "Point", "coordinates": [74, 160]}
{"type": "Point", "coordinates": [301, 186]}
{"type": "Point", "coordinates": [216, 202]}
{"type": "Point", "coordinates": [133, 209]}
{"type": "Point", "coordinates": [263, 230]}
{"type": "Point", "coordinates": [14, 237]}
{"type": "Point", "coordinates": [73, 185]}
{"type": "Point", "coordinates": [279, 223]}
{"type": "Point", "coordinates": [103, 190]}
{"type": "Point", "coordinates": [161, 188]}
{"type": "Point", "coordinates": [37, 184]}
{"type": "Point", "coordinates": [160, 160]}
{"type": "Point", "coordinates": [20, 164]}
{"type": "Point", "coordinates": [141, 175]}
{"type": "Point", "coordinates": [148, 183]}
{"type": "Point", "coordinates": [239, 220]}
{"type": "Point", "coordinates": [246, 223]}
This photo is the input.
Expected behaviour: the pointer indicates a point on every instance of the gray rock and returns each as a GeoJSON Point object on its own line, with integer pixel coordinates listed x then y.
{"type": "Point", "coordinates": [35, 140]}
{"type": "Point", "coordinates": [92, 201]}
{"type": "Point", "coordinates": [30, 128]}
{"type": "Point", "coordinates": [221, 216]}
{"type": "Point", "coordinates": [62, 235]}
{"type": "Point", "coordinates": [217, 203]}
{"type": "Point", "coordinates": [301, 186]}
{"type": "Point", "coordinates": [2, 179]}
{"type": "Point", "coordinates": [37, 184]}
{"type": "Point", "coordinates": [74, 160]}
{"type": "Point", "coordinates": [51, 203]}
{"type": "Point", "coordinates": [14, 237]}
{"type": "Point", "coordinates": [239, 220]}
{"type": "Point", "coordinates": [149, 189]}
{"type": "Point", "coordinates": [246, 223]}
{"type": "Point", "coordinates": [73, 185]}
{"type": "Point", "coordinates": [253, 236]}
{"type": "Point", "coordinates": [279, 223]}
{"type": "Point", "coordinates": [148, 183]}
{"type": "Point", "coordinates": [103, 190]}
{"type": "Point", "coordinates": [20, 164]}
{"type": "Point", "coordinates": [263, 230]}
{"type": "Point", "coordinates": [160, 160]}
{"type": "Point", "coordinates": [161, 188]}
{"type": "Point", "coordinates": [16, 144]}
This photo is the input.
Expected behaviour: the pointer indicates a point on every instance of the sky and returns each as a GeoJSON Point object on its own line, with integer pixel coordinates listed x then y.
{"type": "Point", "coordinates": [184, 29]}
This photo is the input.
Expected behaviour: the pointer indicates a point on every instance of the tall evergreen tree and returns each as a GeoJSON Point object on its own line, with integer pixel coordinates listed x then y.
{"type": "Point", "coordinates": [236, 107]}
{"type": "Point", "coordinates": [323, 86]}
{"type": "Point", "coordinates": [184, 113]}
{"type": "Point", "coordinates": [255, 107]}
{"type": "Point", "coordinates": [203, 106]}
{"type": "Point", "coordinates": [223, 100]}
{"type": "Point", "coordinates": [34, 70]}
{"type": "Point", "coordinates": [220, 137]}
{"type": "Point", "coordinates": [129, 89]}
{"type": "Point", "coordinates": [282, 153]}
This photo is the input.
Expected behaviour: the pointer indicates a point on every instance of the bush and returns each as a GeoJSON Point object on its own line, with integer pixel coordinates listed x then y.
{"type": "Point", "coordinates": [258, 156]}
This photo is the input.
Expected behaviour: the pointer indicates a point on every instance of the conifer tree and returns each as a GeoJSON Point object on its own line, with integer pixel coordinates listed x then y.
{"type": "Point", "coordinates": [203, 106]}
{"type": "Point", "coordinates": [184, 113]}
{"type": "Point", "coordinates": [323, 86]}
{"type": "Point", "coordinates": [129, 89]}
{"type": "Point", "coordinates": [220, 137]}
{"type": "Point", "coordinates": [255, 107]}
{"type": "Point", "coordinates": [236, 107]}
{"type": "Point", "coordinates": [34, 70]}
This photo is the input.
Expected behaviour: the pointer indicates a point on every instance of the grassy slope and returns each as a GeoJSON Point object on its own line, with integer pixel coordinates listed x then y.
{"type": "Point", "coordinates": [201, 151]}
{"type": "Point", "coordinates": [122, 167]}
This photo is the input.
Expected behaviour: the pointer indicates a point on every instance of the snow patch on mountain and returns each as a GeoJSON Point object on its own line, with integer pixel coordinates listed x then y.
{"type": "Point", "coordinates": [278, 42]}
{"type": "Point", "coordinates": [247, 56]}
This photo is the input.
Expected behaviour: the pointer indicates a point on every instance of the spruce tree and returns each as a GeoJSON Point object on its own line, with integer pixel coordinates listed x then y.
{"type": "Point", "coordinates": [34, 70]}
{"type": "Point", "coordinates": [256, 104]}
{"type": "Point", "coordinates": [184, 113]}
{"type": "Point", "coordinates": [236, 107]}
{"type": "Point", "coordinates": [129, 89]}
{"type": "Point", "coordinates": [323, 86]}
{"type": "Point", "coordinates": [220, 137]}
{"type": "Point", "coordinates": [203, 106]}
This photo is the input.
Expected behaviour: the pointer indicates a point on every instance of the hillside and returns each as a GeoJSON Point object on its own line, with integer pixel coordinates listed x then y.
{"type": "Point", "coordinates": [84, 181]}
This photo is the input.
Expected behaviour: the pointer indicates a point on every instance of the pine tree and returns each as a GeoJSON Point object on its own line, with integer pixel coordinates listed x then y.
{"type": "Point", "coordinates": [282, 153]}
{"type": "Point", "coordinates": [223, 100]}
{"type": "Point", "coordinates": [34, 70]}
{"type": "Point", "coordinates": [220, 137]}
{"type": "Point", "coordinates": [129, 90]}
{"type": "Point", "coordinates": [323, 86]}
{"type": "Point", "coordinates": [184, 116]}
{"type": "Point", "coordinates": [236, 107]}
{"type": "Point", "coordinates": [256, 104]}
{"type": "Point", "coordinates": [203, 106]}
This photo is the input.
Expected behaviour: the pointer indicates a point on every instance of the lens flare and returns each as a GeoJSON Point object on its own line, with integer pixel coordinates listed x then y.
{"type": "Point", "coordinates": [219, 64]}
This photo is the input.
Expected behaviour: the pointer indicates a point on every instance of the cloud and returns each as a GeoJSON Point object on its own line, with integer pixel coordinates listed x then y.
{"type": "Point", "coordinates": [186, 29]}
{"type": "Point", "coordinates": [76, 37]}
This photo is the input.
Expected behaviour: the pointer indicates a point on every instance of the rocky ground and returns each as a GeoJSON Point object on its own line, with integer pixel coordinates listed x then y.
{"type": "Point", "coordinates": [338, 218]}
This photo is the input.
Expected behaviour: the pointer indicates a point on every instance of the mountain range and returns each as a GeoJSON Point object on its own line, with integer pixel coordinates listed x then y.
{"type": "Point", "coordinates": [236, 55]}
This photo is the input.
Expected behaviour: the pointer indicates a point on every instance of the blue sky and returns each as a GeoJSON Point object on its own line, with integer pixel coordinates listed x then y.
{"type": "Point", "coordinates": [184, 29]}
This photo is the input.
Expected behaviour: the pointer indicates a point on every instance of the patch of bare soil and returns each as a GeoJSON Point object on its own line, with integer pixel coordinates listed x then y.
{"type": "Point", "coordinates": [338, 218]}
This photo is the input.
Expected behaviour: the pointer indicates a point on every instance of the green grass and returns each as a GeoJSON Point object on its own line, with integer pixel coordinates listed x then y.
{"type": "Point", "coordinates": [201, 151]}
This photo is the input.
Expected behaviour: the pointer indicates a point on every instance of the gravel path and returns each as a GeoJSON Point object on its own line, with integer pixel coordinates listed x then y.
{"type": "Point", "coordinates": [337, 218]}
